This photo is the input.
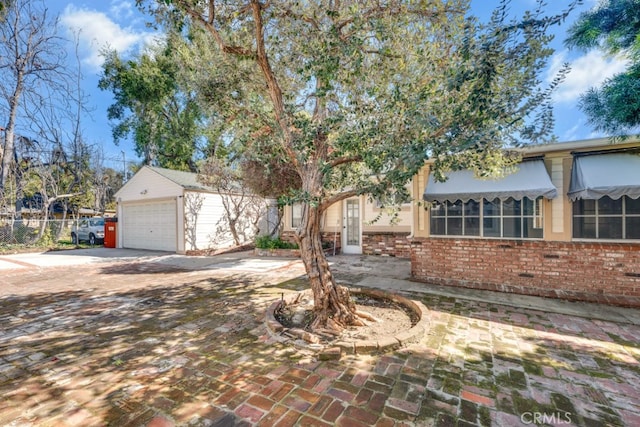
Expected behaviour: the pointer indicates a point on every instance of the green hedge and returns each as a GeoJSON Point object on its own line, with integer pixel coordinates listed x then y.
{"type": "Point", "coordinates": [267, 242]}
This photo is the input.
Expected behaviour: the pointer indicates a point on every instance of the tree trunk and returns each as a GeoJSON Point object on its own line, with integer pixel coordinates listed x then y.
{"type": "Point", "coordinates": [333, 307]}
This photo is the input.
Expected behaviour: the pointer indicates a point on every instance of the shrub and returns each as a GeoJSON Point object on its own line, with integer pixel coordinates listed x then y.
{"type": "Point", "coordinates": [268, 242]}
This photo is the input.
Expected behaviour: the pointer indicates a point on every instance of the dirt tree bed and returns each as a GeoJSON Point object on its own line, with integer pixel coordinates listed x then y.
{"type": "Point", "coordinates": [394, 317]}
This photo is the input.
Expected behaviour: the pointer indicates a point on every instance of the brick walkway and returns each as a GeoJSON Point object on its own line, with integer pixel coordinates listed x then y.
{"type": "Point", "coordinates": [137, 344]}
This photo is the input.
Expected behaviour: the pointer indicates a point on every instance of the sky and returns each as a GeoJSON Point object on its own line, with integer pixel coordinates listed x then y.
{"type": "Point", "coordinates": [119, 25]}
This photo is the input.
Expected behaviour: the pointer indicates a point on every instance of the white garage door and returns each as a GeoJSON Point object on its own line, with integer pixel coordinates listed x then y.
{"type": "Point", "coordinates": [150, 226]}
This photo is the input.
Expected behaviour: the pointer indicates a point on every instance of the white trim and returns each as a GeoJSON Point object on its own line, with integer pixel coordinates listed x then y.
{"type": "Point", "coordinates": [352, 249]}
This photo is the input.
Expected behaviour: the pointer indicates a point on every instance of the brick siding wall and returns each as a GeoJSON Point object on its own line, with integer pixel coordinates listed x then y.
{"type": "Point", "coordinates": [597, 272]}
{"type": "Point", "coordinates": [390, 244]}
{"type": "Point", "coordinates": [373, 243]}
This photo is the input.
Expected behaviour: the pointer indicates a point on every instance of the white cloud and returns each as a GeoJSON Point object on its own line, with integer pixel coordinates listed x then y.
{"type": "Point", "coordinates": [122, 9]}
{"type": "Point", "coordinates": [587, 71]}
{"type": "Point", "coordinates": [572, 133]}
{"type": "Point", "coordinates": [97, 30]}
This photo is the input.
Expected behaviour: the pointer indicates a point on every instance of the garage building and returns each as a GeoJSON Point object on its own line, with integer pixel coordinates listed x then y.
{"type": "Point", "coordinates": [168, 210]}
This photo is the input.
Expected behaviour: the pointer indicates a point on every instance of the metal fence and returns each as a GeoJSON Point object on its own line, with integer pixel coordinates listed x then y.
{"type": "Point", "coordinates": [34, 231]}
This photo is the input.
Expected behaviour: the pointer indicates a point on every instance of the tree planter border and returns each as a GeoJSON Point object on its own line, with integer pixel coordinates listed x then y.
{"type": "Point", "coordinates": [335, 349]}
{"type": "Point", "coordinates": [284, 253]}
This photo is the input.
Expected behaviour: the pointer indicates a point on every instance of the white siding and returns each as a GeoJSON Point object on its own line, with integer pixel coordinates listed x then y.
{"type": "Point", "coordinates": [384, 216]}
{"type": "Point", "coordinates": [148, 185]}
{"type": "Point", "coordinates": [203, 214]}
{"type": "Point", "coordinates": [333, 217]}
{"type": "Point", "coordinates": [557, 204]}
{"type": "Point", "coordinates": [205, 222]}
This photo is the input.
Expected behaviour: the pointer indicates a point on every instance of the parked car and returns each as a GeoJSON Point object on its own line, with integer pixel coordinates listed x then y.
{"type": "Point", "coordinates": [88, 230]}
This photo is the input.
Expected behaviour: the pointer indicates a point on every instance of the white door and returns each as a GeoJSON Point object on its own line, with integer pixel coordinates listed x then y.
{"type": "Point", "coordinates": [150, 226]}
{"type": "Point", "coordinates": [351, 229]}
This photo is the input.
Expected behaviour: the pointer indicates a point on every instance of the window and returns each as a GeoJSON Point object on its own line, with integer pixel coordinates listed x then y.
{"type": "Point", "coordinates": [606, 218]}
{"type": "Point", "coordinates": [296, 215]}
{"type": "Point", "coordinates": [509, 218]}
{"type": "Point", "coordinates": [456, 219]}
{"type": "Point", "coordinates": [395, 199]}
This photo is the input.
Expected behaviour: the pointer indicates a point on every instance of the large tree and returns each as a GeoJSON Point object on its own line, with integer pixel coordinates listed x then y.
{"type": "Point", "coordinates": [614, 27]}
{"type": "Point", "coordinates": [152, 106]}
{"type": "Point", "coordinates": [355, 95]}
{"type": "Point", "coordinates": [32, 66]}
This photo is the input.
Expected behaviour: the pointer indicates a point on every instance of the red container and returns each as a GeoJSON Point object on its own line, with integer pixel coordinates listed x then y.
{"type": "Point", "coordinates": [110, 229]}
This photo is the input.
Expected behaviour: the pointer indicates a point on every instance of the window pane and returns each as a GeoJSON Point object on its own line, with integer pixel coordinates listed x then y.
{"type": "Point", "coordinates": [438, 226]}
{"type": "Point", "coordinates": [511, 227]}
{"type": "Point", "coordinates": [491, 227]}
{"type": "Point", "coordinates": [353, 222]}
{"type": "Point", "coordinates": [633, 227]}
{"type": "Point", "coordinates": [632, 206]}
{"type": "Point", "coordinates": [608, 206]}
{"type": "Point", "coordinates": [584, 207]}
{"type": "Point", "coordinates": [584, 227]}
{"type": "Point", "coordinates": [454, 209]}
{"type": "Point", "coordinates": [472, 226]}
{"type": "Point", "coordinates": [491, 207]}
{"type": "Point", "coordinates": [454, 226]}
{"type": "Point", "coordinates": [528, 206]}
{"type": "Point", "coordinates": [296, 215]}
{"type": "Point", "coordinates": [437, 209]}
{"type": "Point", "coordinates": [472, 208]}
{"type": "Point", "coordinates": [610, 227]}
{"type": "Point", "coordinates": [511, 207]}
{"type": "Point", "coordinates": [530, 230]}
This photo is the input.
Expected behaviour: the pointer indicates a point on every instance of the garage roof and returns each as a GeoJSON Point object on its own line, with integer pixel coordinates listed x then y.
{"type": "Point", "coordinates": [188, 180]}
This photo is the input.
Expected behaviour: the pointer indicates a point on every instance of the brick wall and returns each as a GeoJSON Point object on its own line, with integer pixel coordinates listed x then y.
{"type": "Point", "coordinates": [391, 244]}
{"type": "Point", "coordinates": [373, 243]}
{"type": "Point", "coordinates": [597, 272]}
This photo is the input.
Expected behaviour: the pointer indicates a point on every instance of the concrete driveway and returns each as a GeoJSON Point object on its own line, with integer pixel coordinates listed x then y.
{"type": "Point", "coordinates": [75, 257]}
{"type": "Point", "coordinates": [156, 339]}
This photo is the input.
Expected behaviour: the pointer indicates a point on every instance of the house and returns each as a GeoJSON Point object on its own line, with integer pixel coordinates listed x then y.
{"type": "Point", "coordinates": [168, 210]}
{"type": "Point", "coordinates": [358, 225]}
{"type": "Point", "coordinates": [565, 224]}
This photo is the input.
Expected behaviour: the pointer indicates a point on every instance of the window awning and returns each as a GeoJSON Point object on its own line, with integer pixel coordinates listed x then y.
{"type": "Point", "coordinates": [614, 175]}
{"type": "Point", "coordinates": [529, 180]}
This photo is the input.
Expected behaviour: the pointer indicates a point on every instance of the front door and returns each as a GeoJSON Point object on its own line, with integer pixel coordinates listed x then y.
{"type": "Point", "coordinates": [351, 230]}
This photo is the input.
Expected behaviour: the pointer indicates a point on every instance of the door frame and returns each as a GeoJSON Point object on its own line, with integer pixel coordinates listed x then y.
{"type": "Point", "coordinates": [351, 249]}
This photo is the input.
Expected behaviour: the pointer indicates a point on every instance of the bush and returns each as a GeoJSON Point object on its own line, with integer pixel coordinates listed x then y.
{"type": "Point", "coordinates": [268, 242]}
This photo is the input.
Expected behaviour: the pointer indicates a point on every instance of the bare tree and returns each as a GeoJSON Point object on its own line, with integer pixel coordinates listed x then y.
{"type": "Point", "coordinates": [243, 209]}
{"type": "Point", "coordinates": [32, 67]}
{"type": "Point", "coordinates": [193, 205]}
{"type": "Point", "coordinates": [80, 178]}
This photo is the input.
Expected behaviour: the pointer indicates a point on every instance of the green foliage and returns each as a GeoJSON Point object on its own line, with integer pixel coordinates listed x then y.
{"type": "Point", "coordinates": [614, 26]}
{"type": "Point", "coordinates": [47, 239]}
{"type": "Point", "coordinates": [153, 106]}
{"type": "Point", "coordinates": [370, 91]}
{"type": "Point", "coordinates": [350, 98]}
{"type": "Point", "coordinates": [268, 242]}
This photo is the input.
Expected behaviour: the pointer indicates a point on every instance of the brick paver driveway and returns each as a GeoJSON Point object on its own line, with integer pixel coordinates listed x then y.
{"type": "Point", "coordinates": [143, 343]}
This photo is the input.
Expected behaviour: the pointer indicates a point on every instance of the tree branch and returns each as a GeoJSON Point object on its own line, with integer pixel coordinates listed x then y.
{"type": "Point", "coordinates": [275, 93]}
{"type": "Point", "coordinates": [343, 160]}
{"type": "Point", "coordinates": [338, 197]}
{"type": "Point", "coordinates": [208, 24]}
